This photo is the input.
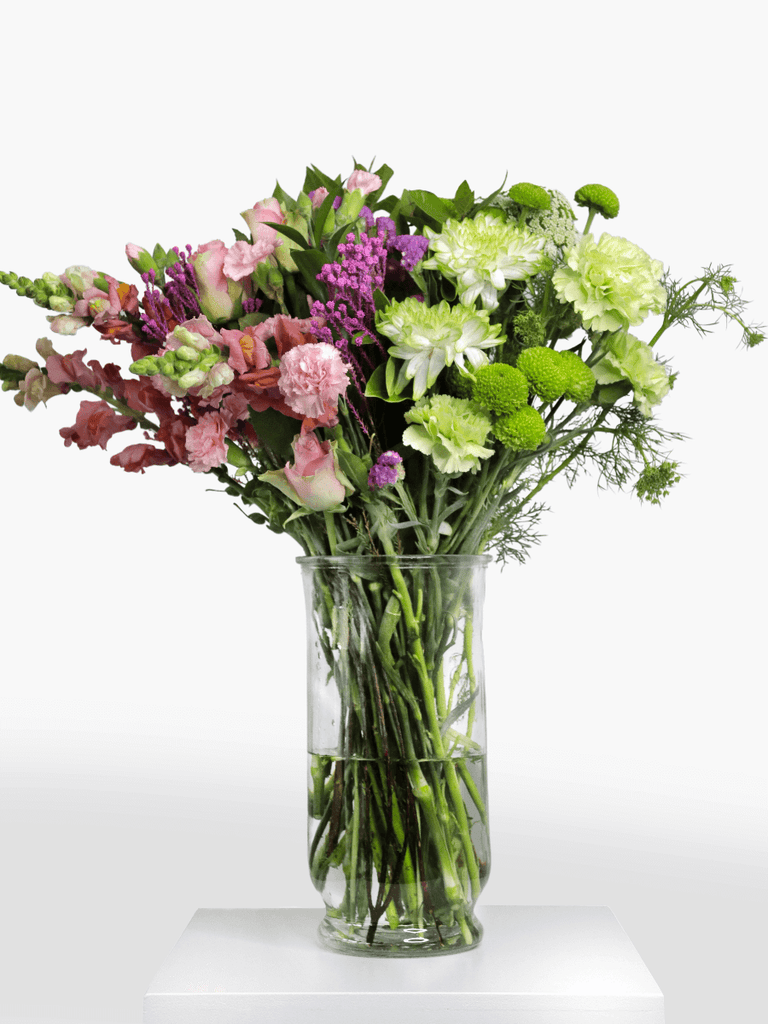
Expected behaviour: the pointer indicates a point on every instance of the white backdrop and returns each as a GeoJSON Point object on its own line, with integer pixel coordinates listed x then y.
{"type": "Point", "coordinates": [152, 726]}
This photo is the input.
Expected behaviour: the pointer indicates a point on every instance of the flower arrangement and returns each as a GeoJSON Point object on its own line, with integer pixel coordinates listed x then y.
{"type": "Point", "coordinates": [386, 377]}
{"type": "Point", "coordinates": [378, 374]}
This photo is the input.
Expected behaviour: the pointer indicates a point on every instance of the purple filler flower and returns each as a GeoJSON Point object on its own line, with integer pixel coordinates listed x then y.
{"type": "Point", "coordinates": [387, 470]}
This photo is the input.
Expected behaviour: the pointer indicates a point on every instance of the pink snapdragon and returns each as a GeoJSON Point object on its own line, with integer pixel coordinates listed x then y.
{"type": "Point", "coordinates": [363, 180]}
{"type": "Point", "coordinates": [312, 379]}
{"type": "Point", "coordinates": [96, 422]}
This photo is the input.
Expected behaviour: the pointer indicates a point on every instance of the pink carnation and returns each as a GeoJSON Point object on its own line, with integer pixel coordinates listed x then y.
{"type": "Point", "coordinates": [206, 443]}
{"type": "Point", "coordinates": [242, 258]}
{"type": "Point", "coordinates": [312, 379]}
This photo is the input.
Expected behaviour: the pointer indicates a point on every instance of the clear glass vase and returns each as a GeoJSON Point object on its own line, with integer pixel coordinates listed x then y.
{"type": "Point", "coordinates": [398, 805]}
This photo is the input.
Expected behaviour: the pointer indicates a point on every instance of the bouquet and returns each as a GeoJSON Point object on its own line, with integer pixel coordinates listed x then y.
{"type": "Point", "coordinates": [391, 380]}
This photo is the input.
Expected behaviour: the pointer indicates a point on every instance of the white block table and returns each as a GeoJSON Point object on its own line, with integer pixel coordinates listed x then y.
{"type": "Point", "coordinates": [535, 965]}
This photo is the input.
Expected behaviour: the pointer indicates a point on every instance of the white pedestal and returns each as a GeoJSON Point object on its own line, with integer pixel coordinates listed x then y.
{"type": "Point", "coordinates": [535, 965]}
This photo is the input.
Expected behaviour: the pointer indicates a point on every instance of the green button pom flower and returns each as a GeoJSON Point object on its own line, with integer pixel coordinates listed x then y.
{"type": "Point", "coordinates": [453, 431]}
{"type": "Point", "coordinates": [546, 376]}
{"type": "Point", "coordinates": [522, 431]}
{"type": "Point", "coordinates": [580, 380]}
{"type": "Point", "coordinates": [483, 255]}
{"type": "Point", "coordinates": [611, 283]}
{"type": "Point", "coordinates": [625, 358]}
{"type": "Point", "coordinates": [500, 388]}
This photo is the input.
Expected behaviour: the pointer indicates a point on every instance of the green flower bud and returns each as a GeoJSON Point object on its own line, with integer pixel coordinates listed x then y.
{"type": "Point", "coordinates": [522, 431]}
{"type": "Point", "coordinates": [529, 329]}
{"type": "Point", "coordinates": [351, 205]}
{"type": "Point", "coordinates": [146, 367]}
{"type": "Point", "coordinates": [598, 198]}
{"type": "Point", "coordinates": [533, 196]}
{"type": "Point", "coordinates": [60, 304]}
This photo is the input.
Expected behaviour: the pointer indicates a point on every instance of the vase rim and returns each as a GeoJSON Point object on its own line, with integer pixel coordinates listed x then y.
{"type": "Point", "coordinates": [436, 559]}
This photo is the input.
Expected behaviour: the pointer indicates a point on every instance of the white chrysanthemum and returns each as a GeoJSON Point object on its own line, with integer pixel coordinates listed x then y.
{"type": "Point", "coordinates": [483, 255]}
{"type": "Point", "coordinates": [611, 283]}
{"type": "Point", "coordinates": [429, 338]}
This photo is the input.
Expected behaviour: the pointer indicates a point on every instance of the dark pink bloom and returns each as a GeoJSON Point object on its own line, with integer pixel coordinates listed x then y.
{"type": "Point", "coordinates": [96, 422]}
{"type": "Point", "coordinates": [136, 457]}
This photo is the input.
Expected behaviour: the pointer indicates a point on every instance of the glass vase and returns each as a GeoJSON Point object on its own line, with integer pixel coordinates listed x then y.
{"type": "Point", "coordinates": [398, 805]}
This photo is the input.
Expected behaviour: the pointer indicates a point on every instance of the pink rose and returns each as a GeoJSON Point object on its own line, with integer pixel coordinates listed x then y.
{"type": "Point", "coordinates": [220, 298]}
{"type": "Point", "coordinates": [314, 481]}
{"type": "Point", "coordinates": [318, 197]}
{"type": "Point", "coordinates": [363, 180]}
{"type": "Point", "coordinates": [266, 210]}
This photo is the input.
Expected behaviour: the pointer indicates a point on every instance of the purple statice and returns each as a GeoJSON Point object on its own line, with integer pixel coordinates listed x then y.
{"type": "Point", "coordinates": [386, 470]}
{"type": "Point", "coordinates": [412, 247]}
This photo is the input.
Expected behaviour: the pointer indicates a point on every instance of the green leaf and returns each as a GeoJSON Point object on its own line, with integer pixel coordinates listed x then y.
{"type": "Point", "coordinates": [158, 254]}
{"type": "Point", "coordinates": [310, 262]}
{"type": "Point", "coordinates": [463, 199]}
{"type": "Point", "coordinates": [321, 217]}
{"type": "Point", "coordinates": [354, 467]}
{"type": "Point", "coordinates": [438, 209]}
{"type": "Point", "coordinates": [239, 236]}
{"type": "Point", "coordinates": [385, 173]}
{"type": "Point", "coordinates": [486, 202]}
{"type": "Point", "coordinates": [377, 385]}
{"type": "Point", "coordinates": [276, 431]}
{"type": "Point", "coordinates": [283, 197]}
{"type": "Point", "coordinates": [380, 300]}
{"type": "Point", "coordinates": [292, 233]}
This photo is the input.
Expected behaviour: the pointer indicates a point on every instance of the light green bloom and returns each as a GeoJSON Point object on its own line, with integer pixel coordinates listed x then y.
{"type": "Point", "coordinates": [611, 283]}
{"type": "Point", "coordinates": [452, 430]}
{"type": "Point", "coordinates": [429, 338]}
{"type": "Point", "coordinates": [625, 358]}
{"type": "Point", "coordinates": [483, 255]}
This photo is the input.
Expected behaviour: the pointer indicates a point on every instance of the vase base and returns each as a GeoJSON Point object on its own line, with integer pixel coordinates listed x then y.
{"type": "Point", "coordinates": [404, 942]}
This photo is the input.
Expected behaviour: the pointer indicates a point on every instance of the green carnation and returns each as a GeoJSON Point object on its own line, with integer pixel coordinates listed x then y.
{"type": "Point", "coordinates": [500, 388]}
{"type": "Point", "coordinates": [523, 431]}
{"type": "Point", "coordinates": [546, 376]}
{"type": "Point", "coordinates": [624, 358]}
{"type": "Point", "coordinates": [453, 431]}
{"type": "Point", "coordinates": [611, 283]}
{"type": "Point", "coordinates": [580, 380]}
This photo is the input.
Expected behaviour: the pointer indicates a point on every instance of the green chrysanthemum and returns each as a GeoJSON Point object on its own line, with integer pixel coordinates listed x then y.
{"type": "Point", "coordinates": [599, 198]}
{"type": "Point", "coordinates": [523, 431]}
{"type": "Point", "coordinates": [533, 196]}
{"type": "Point", "coordinates": [546, 375]}
{"type": "Point", "coordinates": [611, 283]}
{"type": "Point", "coordinates": [453, 431]}
{"type": "Point", "coordinates": [429, 338]}
{"type": "Point", "coordinates": [500, 388]}
{"type": "Point", "coordinates": [625, 358]}
{"type": "Point", "coordinates": [483, 255]}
